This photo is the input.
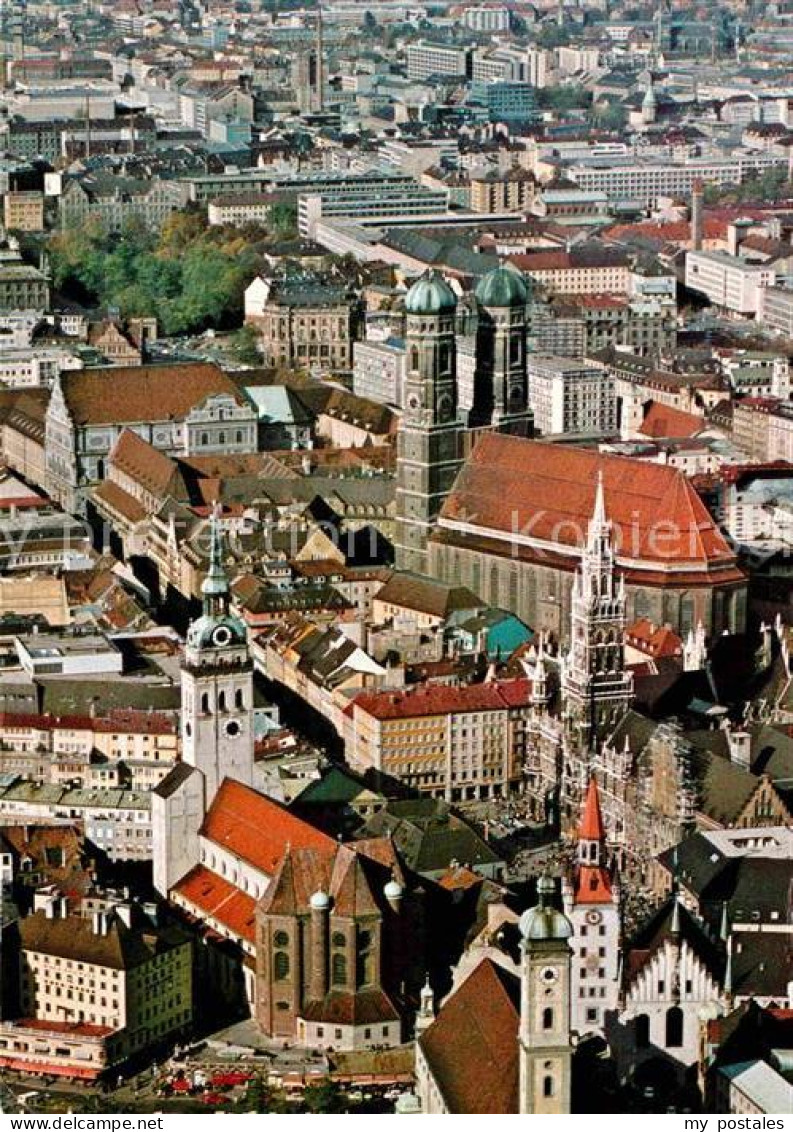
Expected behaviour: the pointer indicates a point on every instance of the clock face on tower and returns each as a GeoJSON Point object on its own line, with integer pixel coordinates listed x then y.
{"type": "Point", "coordinates": [549, 975]}
{"type": "Point", "coordinates": [221, 636]}
{"type": "Point", "coordinates": [593, 917]}
{"type": "Point", "coordinates": [233, 729]}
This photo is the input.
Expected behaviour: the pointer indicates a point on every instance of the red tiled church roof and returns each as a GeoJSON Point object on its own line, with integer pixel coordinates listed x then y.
{"type": "Point", "coordinates": [257, 829]}
{"type": "Point", "coordinates": [215, 898]}
{"type": "Point", "coordinates": [528, 492]}
{"type": "Point", "coordinates": [472, 1046]}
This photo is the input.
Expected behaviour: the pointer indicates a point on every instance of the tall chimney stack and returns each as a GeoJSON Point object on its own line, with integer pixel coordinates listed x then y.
{"type": "Point", "coordinates": [697, 205]}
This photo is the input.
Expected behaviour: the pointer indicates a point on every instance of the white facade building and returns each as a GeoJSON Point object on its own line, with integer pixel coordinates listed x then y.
{"type": "Point", "coordinates": [567, 396]}
{"type": "Point", "coordinates": [729, 282]}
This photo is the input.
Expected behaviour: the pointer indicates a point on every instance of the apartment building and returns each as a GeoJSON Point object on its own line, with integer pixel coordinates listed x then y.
{"type": "Point", "coordinates": [379, 370]}
{"type": "Point", "coordinates": [484, 18]}
{"type": "Point", "coordinates": [122, 748]}
{"type": "Point", "coordinates": [646, 180]}
{"type": "Point", "coordinates": [775, 308]}
{"type": "Point", "coordinates": [751, 426]}
{"type": "Point", "coordinates": [426, 59]}
{"type": "Point", "coordinates": [502, 192]}
{"type": "Point", "coordinates": [23, 287]}
{"type": "Point", "coordinates": [397, 204]}
{"type": "Point", "coordinates": [23, 212]}
{"type": "Point", "coordinates": [96, 990]}
{"type": "Point", "coordinates": [567, 396]}
{"type": "Point", "coordinates": [35, 366]}
{"type": "Point", "coordinates": [240, 208]}
{"type": "Point", "coordinates": [585, 270]}
{"type": "Point", "coordinates": [117, 821]}
{"type": "Point", "coordinates": [449, 742]}
{"type": "Point", "coordinates": [728, 281]}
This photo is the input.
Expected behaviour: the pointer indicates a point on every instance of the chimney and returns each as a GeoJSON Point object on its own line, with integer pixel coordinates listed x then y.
{"type": "Point", "coordinates": [124, 913]}
{"type": "Point", "coordinates": [697, 219]}
{"type": "Point", "coordinates": [739, 743]}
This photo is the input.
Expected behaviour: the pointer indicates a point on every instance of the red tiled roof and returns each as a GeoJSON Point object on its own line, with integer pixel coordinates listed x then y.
{"type": "Point", "coordinates": [676, 232]}
{"type": "Point", "coordinates": [78, 1029]}
{"type": "Point", "coordinates": [122, 720]}
{"type": "Point", "coordinates": [662, 422]}
{"type": "Point", "coordinates": [120, 501]}
{"type": "Point", "coordinates": [593, 885]}
{"type": "Point", "coordinates": [472, 1046]}
{"type": "Point", "coordinates": [214, 897]}
{"type": "Point", "coordinates": [651, 639]}
{"type": "Point", "coordinates": [440, 699]}
{"type": "Point", "coordinates": [545, 493]}
{"type": "Point", "coordinates": [121, 394]}
{"type": "Point", "coordinates": [257, 829]}
{"type": "Point", "coordinates": [591, 827]}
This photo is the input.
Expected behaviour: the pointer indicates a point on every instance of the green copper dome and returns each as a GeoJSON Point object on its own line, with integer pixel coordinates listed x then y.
{"type": "Point", "coordinates": [213, 631]}
{"type": "Point", "coordinates": [430, 294]}
{"type": "Point", "coordinates": [505, 286]}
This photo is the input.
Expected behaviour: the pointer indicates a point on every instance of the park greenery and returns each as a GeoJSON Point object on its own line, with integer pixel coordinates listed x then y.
{"type": "Point", "coordinates": [772, 184]}
{"type": "Point", "coordinates": [189, 276]}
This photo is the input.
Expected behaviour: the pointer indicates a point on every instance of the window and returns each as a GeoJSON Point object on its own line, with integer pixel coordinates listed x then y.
{"type": "Point", "coordinates": [547, 1018]}
{"type": "Point", "coordinates": [281, 939]}
{"type": "Point", "coordinates": [674, 1027]}
{"type": "Point", "coordinates": [338, 969]}
{"type": "Point", "coordinates": [338, 939]}
{"type": "Point", "coordinates": [281, 965]}
{"type": "Point", "coordinates": [642, 1031]}
{"type": "Point", "coordinates": [547, 1086]}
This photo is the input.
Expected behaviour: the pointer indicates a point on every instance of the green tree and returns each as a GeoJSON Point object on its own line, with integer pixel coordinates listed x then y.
{"type": "Point", "coordinates": [244, 345]}
{"type": "Point", "coordinates": [282, 220]}
{"type": "Point", "coordinates": [325, 1096]}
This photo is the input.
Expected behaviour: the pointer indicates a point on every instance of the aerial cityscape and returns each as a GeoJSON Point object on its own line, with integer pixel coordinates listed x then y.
{"type": "Point", "coordinates": [396, 557]}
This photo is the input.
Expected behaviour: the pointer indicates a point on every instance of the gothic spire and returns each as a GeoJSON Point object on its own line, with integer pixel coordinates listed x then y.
{"type": "Point", "coordinates": [215, 586]}
{"type": "Point", "coordinates": [599, 532]}
{"type": "Point", "coordinates": [591, 828]}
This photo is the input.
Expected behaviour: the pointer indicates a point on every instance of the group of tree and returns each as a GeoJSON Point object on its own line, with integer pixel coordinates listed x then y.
{"type": "Point", "coordinates": [772, 184]}
{"type": "Point", "coordinates": [189, 276]}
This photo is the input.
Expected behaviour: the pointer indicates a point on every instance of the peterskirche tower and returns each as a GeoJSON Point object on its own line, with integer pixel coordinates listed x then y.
{"type": "Point", "coordinates": [597, 689]}
{"type": "Point", "coordinates": [545, 1054]}
{"type": "Point", "coordinates": [217, 684]}
{"type": "Point", "coordinates": [429, 440]}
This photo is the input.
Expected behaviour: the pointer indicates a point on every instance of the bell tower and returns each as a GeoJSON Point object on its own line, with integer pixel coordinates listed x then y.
{"type": "Point", "coordinates": [217, 683]}
{"type": "Point", "coordinates": [428, 444]}
{"type": "Point", "coordinates": [596, 687]}
{"type": "Point", "coordinates": [545, 1054]}
{"type": "Point", "coordinates": [592, 904]}
{"type": "Point", "coordinates": [500, 380]}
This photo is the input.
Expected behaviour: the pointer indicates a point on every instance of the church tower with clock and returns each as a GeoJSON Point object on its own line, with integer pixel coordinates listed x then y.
{"type": "Point", "coordinates": [217, 684]}
{"type": "Point", "coordinates": [592, 904]}
{"type": "Point", "coordinates": [545, 1054]}
{"type": "Point", "coordinates": [429, 441]}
